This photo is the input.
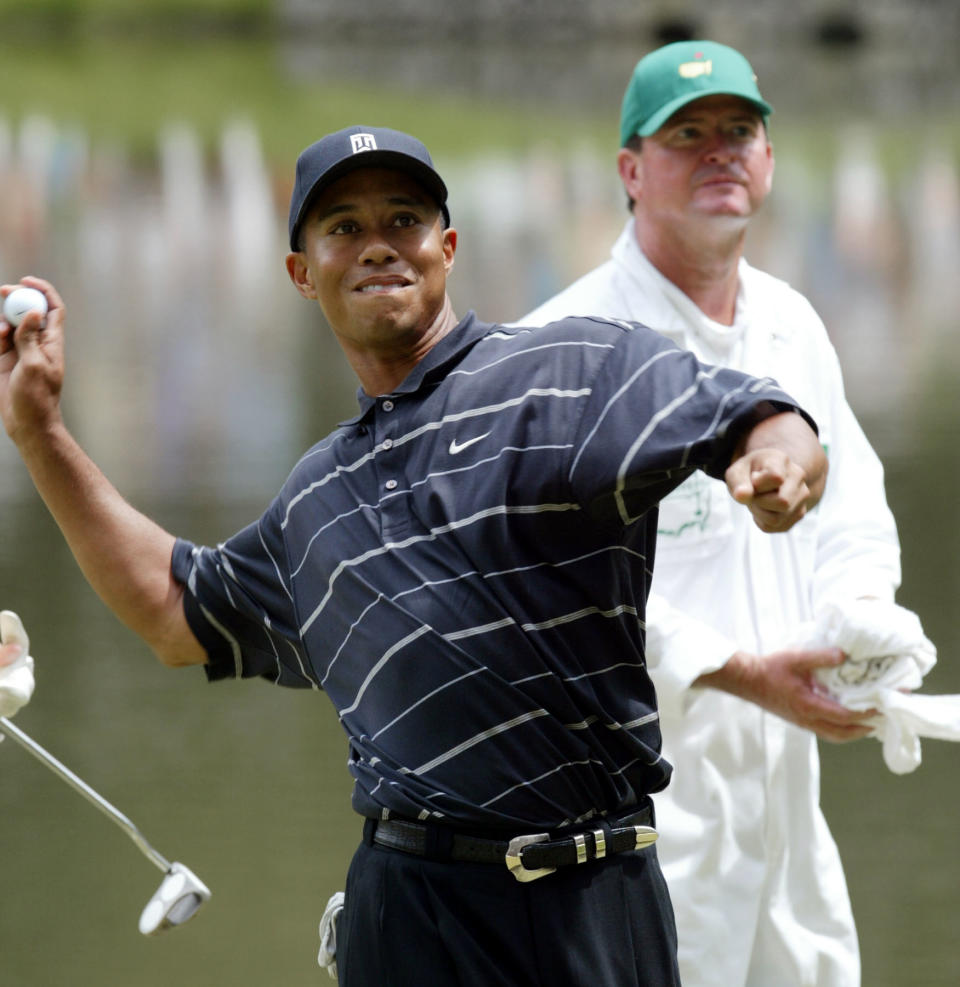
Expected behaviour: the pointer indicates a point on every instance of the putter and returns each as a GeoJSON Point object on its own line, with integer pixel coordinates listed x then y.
{"type": "Point", "coordinates": [181, 893]}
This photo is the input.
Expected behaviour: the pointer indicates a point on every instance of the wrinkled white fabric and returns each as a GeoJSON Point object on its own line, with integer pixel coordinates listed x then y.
{"type": "Point", "coordinates": [887, 653]}
{"type": "Point", "coordinates": [327, 957]}
{"type": "Point", "coordinates": [908, 717]}
{"type": "Point", "coordinates": [742, 834]}
{"type": "Point", "coordinates": [16, 679]}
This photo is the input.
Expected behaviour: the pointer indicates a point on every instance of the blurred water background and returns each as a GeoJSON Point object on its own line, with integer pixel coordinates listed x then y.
{"type": "Point", "coordinates": [146, 157]}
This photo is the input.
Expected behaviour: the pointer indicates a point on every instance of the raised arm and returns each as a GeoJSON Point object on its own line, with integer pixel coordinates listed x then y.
{"type": "Point", "coordinates": [123, 554]}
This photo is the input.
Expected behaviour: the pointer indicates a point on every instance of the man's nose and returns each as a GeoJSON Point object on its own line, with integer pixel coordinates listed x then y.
{"type": "Point", "coordinates": [719, 147]}
{"type": "Point", "coordinates": [377, 249]}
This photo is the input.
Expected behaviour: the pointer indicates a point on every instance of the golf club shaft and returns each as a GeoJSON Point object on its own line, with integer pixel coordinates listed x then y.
{"type": "Point", "coordinates": [15, 733]}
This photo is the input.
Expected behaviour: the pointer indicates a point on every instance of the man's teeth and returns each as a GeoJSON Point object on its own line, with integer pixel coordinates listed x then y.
{"type": "Point", "coordinates": [381, 287]}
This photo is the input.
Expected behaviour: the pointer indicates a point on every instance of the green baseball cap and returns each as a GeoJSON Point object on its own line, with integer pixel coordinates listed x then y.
{"type": "Point", "coordinates": [679, 73]}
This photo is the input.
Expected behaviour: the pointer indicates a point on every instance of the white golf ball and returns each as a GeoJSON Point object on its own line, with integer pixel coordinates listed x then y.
{"type": "Point", "coordinates": [23, 300]}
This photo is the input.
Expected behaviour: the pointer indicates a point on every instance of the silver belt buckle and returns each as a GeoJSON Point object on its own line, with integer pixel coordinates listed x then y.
{"type": "Point", "coordinates": [514, 860]}
{"type": "Point", "coordinates": [645, 836]}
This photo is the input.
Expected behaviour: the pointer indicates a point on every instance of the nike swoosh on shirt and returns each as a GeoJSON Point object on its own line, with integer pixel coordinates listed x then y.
{"type": "Point", "coordinates": [456, 447]}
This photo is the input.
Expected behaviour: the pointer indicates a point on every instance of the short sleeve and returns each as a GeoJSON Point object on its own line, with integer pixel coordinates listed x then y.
{"type": "Point", "coordinates": [655, 415]}
{"type": "Point", "coordinates": [238, 603]}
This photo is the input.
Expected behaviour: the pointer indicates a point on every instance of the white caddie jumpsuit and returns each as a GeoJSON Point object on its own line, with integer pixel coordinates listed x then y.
{"type": "Point", "coordinates": [754, 874]}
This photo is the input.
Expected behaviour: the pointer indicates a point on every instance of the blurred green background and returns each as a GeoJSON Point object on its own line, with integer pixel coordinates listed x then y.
{"type": "Point", "coordinates": [146, 154]}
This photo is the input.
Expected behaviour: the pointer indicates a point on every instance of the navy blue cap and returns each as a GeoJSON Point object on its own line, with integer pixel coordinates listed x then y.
{"type": "Point", "coordinates": [333, 156]}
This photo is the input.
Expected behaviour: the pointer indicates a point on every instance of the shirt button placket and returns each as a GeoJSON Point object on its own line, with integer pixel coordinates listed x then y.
{"type": "Point", "coordinates": [392, 512]}
{"type": "Point", "coordinates": [387, 405]}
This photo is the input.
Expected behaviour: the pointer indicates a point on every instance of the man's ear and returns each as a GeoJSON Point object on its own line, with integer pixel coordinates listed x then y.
{"type": "Point", "coordinates": [628, 165]}
{"type": "Point", "coordinates": [772, 165]}
{"type": "Point", "coordinates": [449, 248]}
{"type": "Point", "coordinates": [300, 274]}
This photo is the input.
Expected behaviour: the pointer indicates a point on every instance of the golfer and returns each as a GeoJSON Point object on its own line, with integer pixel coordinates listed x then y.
{"type": "Point", "coordinates": [463, 569]}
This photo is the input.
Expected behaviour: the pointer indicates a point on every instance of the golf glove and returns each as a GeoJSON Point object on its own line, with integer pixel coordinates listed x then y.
{"type": "Point", "coordinates": [327, 957]}
{"type": "Point", "coordinates": [16, 679]}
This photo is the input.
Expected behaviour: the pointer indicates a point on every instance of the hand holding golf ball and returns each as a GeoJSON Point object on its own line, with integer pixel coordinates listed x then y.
{"type": "Point", "coordinates": [22, 300]}
{"type": "Point", "coordinates": [31, 356]}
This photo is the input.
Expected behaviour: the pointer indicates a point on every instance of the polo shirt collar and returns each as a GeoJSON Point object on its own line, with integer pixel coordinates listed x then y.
{"type": "Point", "coordinates": [433, 366]}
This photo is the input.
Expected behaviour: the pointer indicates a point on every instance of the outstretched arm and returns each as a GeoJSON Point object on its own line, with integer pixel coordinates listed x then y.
{"type": "Point", "coordinates": [123, 554]}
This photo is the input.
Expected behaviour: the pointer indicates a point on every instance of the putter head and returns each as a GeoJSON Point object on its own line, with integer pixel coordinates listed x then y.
{"type": "Point", "coordinates": [176, 900]}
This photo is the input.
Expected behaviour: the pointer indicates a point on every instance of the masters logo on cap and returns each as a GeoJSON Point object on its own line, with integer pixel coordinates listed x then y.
{"type": "Point", "coordinates": [690, 70]}
{"type": "Point", "coordinates": [676, 74]}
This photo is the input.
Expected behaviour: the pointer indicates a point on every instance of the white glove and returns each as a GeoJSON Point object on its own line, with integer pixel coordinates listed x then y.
{"type": "Point", "coordinates": [16, 679]}
{"type": "Point", "coordinates": [327, 957]}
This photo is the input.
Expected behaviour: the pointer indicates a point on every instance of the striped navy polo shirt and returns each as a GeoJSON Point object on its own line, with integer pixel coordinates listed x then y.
{"type": "Point", "coordinates": [463, 569]}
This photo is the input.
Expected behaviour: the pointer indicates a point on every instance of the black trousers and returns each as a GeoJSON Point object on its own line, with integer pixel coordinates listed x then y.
{"type": "Point", "coordinates": [412, 922]}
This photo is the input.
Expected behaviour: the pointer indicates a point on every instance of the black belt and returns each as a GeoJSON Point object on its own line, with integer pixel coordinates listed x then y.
{"type": "Point", "coordinates": [527, 857]}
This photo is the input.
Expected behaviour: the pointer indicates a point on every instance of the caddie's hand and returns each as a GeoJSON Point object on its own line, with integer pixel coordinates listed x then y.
{"type": "Point", "coordinates": [31, 365]}
{"type": "Point", "coordinates": [16, 665]}
{"type": "Point", "coordinates": [771, 486]}
{"type": "Point", "coordinates": [783, 683]}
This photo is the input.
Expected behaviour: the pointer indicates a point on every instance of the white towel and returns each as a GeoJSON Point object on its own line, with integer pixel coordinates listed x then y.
{"type": "Point", "coordinates": [16, 680]}
{"type": "Point", "coordinates": [327, 957]}
{"type": "Point", "coordinates": [887, 656]}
